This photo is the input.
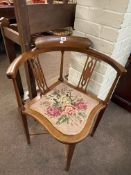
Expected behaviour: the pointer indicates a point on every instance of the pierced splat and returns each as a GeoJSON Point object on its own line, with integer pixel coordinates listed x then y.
{"type": "Point", "coordinates": [39, 75]}
{"type": "Point", "coordinates": [87, 72]}
{"type": "Point", "coordinates": [61, 66]}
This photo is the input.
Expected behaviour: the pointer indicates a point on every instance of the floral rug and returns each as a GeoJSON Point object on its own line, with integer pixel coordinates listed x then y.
{"type": "Point", "coordinates": [66, 108]}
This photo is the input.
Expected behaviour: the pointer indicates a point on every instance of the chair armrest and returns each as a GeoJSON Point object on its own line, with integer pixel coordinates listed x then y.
{"type": "Point", "coordinates": [11, 34]}
{"type": "Point", "coordinates": [21, 59]}
{"type": "Point", "coordinates": [13, 68]}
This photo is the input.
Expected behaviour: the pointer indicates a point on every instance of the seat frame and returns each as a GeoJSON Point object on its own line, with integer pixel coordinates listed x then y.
{"type": "Point", "coordinates": [56, 43]}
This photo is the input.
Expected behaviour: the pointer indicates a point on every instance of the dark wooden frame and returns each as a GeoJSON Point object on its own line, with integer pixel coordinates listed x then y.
{"type": "Point", "coordinates": [30, 21]}
{"type": "Point", "coordinates": [7, 11]}
{"type": "Point", "coordinates": [122, 94]}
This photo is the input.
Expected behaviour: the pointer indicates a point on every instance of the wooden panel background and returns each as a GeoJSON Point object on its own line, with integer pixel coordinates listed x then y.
{"type": "Point", "coordinates": [50, 16]}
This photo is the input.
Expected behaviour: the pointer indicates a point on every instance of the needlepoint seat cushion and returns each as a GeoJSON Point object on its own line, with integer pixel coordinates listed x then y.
{"type": "Point", "coordinates": [66, 108]}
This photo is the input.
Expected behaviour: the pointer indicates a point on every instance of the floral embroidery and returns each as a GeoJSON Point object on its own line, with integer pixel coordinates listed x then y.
{"type": "Point", "coordinates": [62, 104]}
{"type": "Point", "coordinates": [54, 112]}
{"type": "Point", "coordinates": [69, 110]}
{"type": "Point", "coordinates": [66, 108]}
{"type": "Point", "coordinates": [81, 105]}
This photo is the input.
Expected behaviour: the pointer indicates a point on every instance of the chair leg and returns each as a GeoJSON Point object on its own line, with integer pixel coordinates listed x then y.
{"type": "Point", "coordinates": [97, 122]}
{"type": "Point", "coordinates": [69, 154]}
{"type": "Point", "coordinates": [26, 129]}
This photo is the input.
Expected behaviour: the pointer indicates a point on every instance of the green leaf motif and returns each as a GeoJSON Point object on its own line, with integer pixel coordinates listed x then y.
{"type": "Point", "coordinates": [63, 119]}
{"type": "Point", "coordinates": [82, 114]}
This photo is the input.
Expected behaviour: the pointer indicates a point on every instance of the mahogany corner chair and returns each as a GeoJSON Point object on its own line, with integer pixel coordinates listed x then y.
{"type": "Point", "coordinates": [67, 112]}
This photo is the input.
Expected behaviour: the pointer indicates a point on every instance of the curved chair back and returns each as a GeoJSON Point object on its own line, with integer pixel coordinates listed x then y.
{"type": "Point", "coordinates": [62, 44]}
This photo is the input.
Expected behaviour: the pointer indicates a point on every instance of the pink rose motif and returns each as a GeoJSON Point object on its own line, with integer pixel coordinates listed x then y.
{"type": "Point", "coordinates": [54, 112]}
{"type": "Point", "coordinates": [69, 110]}
{"type": "Point", "coordinates": [81, 105]}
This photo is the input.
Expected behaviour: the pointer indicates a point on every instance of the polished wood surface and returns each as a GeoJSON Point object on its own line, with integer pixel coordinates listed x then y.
{"type": "Point", "coordinates": [12, 35]}
{"type": "Point", "coordinates": [62, 16]}
{"type": "Point", "coordinates": [122, 94]}
{"type": "Point", "coordinates": [7, 11]}
{"type": "Point", "coordinates": [49, 44]}
{"type": "Point", "coordinates": [11, 54]}
{"type": "Point", "coordinates": [69, 154]}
